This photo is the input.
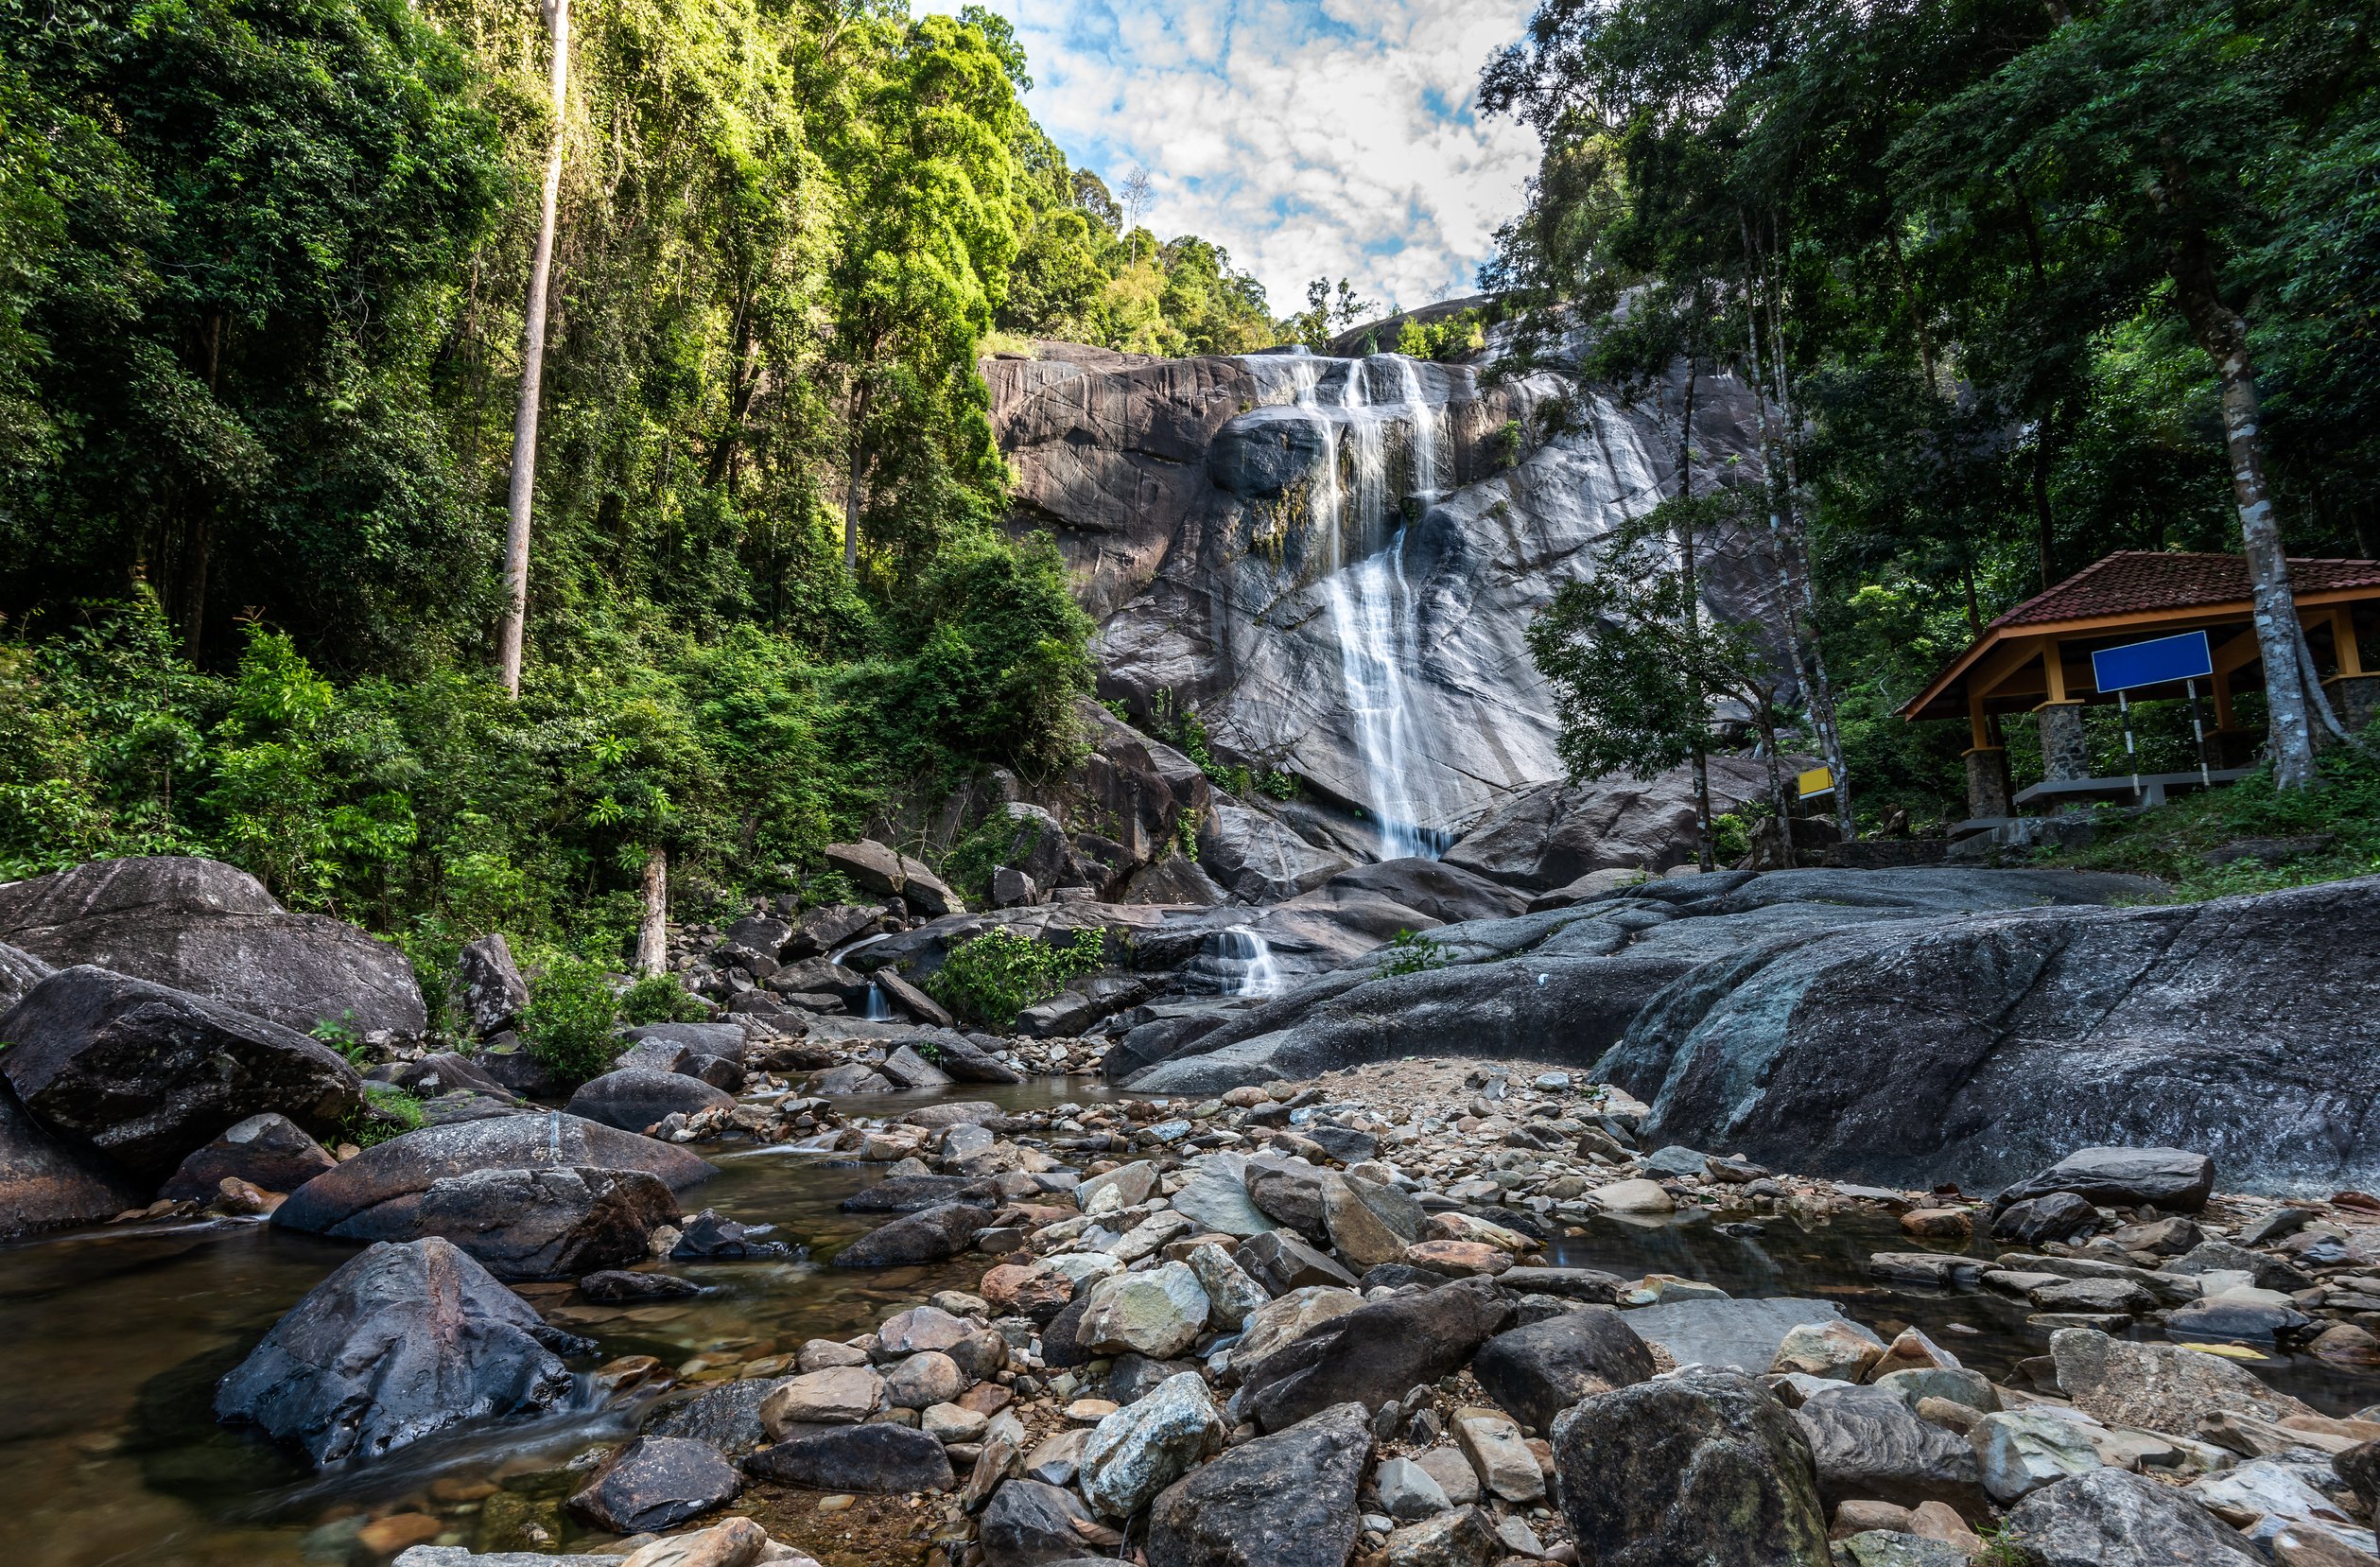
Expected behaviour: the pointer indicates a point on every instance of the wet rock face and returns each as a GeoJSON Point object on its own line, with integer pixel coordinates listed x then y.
{"type": "Point", "coordinates": [46, 1185]}
{"type": "Point", "coordinates": [1287, 1499]}
{"type": "Point", "coordinates": [147, 1076]}
{"type": "Point", "coordinates": [400, 1343]}
{"type": "Point", "coordinates": [547, 1224]}
{"type": "Point", "coordinates": [2042, 1029]}
{"type": "Point", "coordinates": [656, 1483]}
{"type": "Point", "coordinates": [634, 1098]}
{"type": "Point", "coordinates": [212, 930]}
{"type": "Point", "coordinates": [1190, 498]}
{"type": "Point", "coordinates": [1551, 834]}
{"type": "Point", "coordinates": [1704, 1465]}
{"type": "Point", "coordinates": [378, 1195]}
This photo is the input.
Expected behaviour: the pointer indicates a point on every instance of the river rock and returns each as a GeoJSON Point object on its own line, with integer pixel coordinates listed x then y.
{"type": "Point", "coordinates": [1586, 1284]}
{"type": "Point", "coordinates": [46, 1184]}
{"type": "Point", "coordinates": [146, 1075]}
{"type": "Point", "coordinates": [1407, 1491]}
{"type": "Point", "coordinates": [634, 1098]}
{"type": "Point", "coordinates": [2110, 1518]}
{"type": "Point", "coordinates": [1130, 1186]}
{"type": "Point", "coordinates": [489, 992]}
{"type": "Point", "coordinates": [1493, 1443]}
{"type": "Point", "coordinates": [725, 1415]}
{"type": "Point", "coordinates": [2360, 1465]}
{"type": "Point", "coordinates": [909, 1070]}
{"type": "Point", "coordinates": [2159, 1388]}
{"type": "Point", "coordinates": [1286, 1320]}
{"type": "Point", "coordinates": [1703, 1466]}
{"type": "Point", "coordinates": [656, 1483]}
{"type": "Point", "coordinates": [1280, 1262]}
{"type": "Point", "coordinates": [400, 1343]}
{"type": "Point", "coordinates": [1158, 1313]}
{"type": "Point", "coordinates": [2264, 1272]}
{"type": "Point", "coordinates": [1142, 1448]}
{"type": "Point", "coordinates": [212, 931]}
{"type": "Point", "coordinates": [2173, 1180]}
{"type": "Point", "coordinates": [1537, 1372]}
{"type": "Point", "coordinates": [1374, 1354]}
{"type": "Point", "coordinates": [1839, 1351]}
{"type": "Point", "coordinates": [2058, 1216]}
{"type": "Point", "coordinates": [1868, 1443]}
{"type": "Point", "coordinates": [921, 1328]}
{"type": "Point", "coordinates": [931, 1235]}
{"type": "Point", "coordinates": [1746, 1334]}
{"type": "Point", "coordinates": [1215, 1198]}
{"type": "Point", "coordinates": [1032, 1525]}
{"type": "Point", "coordinates": [2020, 1450]}
{"type": "Point", "coordinates": [547, 1224]}
{"type": "Point", "coordinates": [1287, 1499]}
{"type": "Point", "coordinates": [923, 1381]}
{"type": "Point", "coordinates": [1232, 1296]}
{"type": "Point", "coordinates": [912, 1193]}
{"type": "Point", "coordinates": [875, 1459]}
{"type": "Point", "coordinates": [840, 1395]}
{"type": "Point", "coordinates": [378, 1195]}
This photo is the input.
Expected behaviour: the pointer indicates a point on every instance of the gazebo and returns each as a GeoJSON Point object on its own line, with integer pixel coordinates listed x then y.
{"type": "Point", "coordinates": [2037, 658]}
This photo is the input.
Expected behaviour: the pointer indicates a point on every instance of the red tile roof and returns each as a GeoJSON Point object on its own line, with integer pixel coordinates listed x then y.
{"type": "Point", "coordinates": [2138, 582]}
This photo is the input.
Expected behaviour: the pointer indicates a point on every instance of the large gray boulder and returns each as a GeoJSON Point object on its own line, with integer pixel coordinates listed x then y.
{"type": "Point", "coordinates": [146, 1075]}
{"type": "Point", "coordinates": [880, 1458]}
{"type": "Point", "coordinates": [2112, 1518]}
{"type": "Point", "coordinates": [214, 930]}
{"type": "Point", "coordinates": [268, 1151]}
{"type": "Point", "coordinates": [378, 1195]}
{"type": "Point", "coordinates": [632, 1098]}
{"type": "Point", "coordinates": [1551, 834]}
{"type": "Point", "coordinates": [45, 1184]}
{"type": "Point", "coordinates": [1868, 1444]}
{"type": "Point", "coordinates": [1375, 1354]}
{"type": "Point", "coordinates": [656, 1483]}
{"type": "Point", "coordinates": [1702, 1467]}
{"type": "Point", "coordinates": [402, 1342]}
{"type": "Point", "coordinates": [1980, 1049]}
{"type": "Point", "coordinates": [933, 1234]}
{"type": "Point", "coordinates": [489, 992]}
{"type": "Point", "coordinates": [1259, 859]}
{"type": "Point", "coordinates": [1537, 1372]}
{"type": "Point", "coordinates": [547, 1223]}
{"type": "Point", "coordinates": [2174, 1179]}
{"type": "Point", "coordinates": [1445, 893]}
{"type": "Point", "coordinates": [1287, 1499]}
{"type": "Point", "coordinates": [20, 971]}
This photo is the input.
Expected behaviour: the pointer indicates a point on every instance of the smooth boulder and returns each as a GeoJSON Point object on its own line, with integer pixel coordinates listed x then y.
{"type": "Point", "coordinates": [547, 1224]}
{"type": "Point", "coordinates": [934, 1234]}
{"type": "Point", "coordinates": [147, 1076]}
{"type": "Point", "coordinates": [1868, 1444]}
{"type": "Point", "coordinates": [268, 1151]}
{"type": "Point", "coordinates": [1537, 1372]}
{"type": "Point", "coordinates": [1029, 1523]}
{"type": "Point", "coordinates": [2110, 1518]}
{"type": "Point", "coordinates": [1375, 1354]}
{"type": "Point", "coordinates": [1703, 1467]}
{"type": "Point", "coordinates": [45, 1184]}
{"type": "Point", "coordinates": [214, 930]}
{"type": "Point", "coordinates": [378, 1195]}
{"type": "Point", "coordinates": [633, 1098]}
{"type": "Point", "coordinates": [656, 1483]}
{"type": "Point", "coordinates": [1287, 1499]}
{"type": "Point", "coordinates": [2173, 1180]}
{"type": "Point", "coordinates": [402, 1342]}
{"type": "Point", "coordinates": [875, 1459]}
{"type": "Point", "coordinates": [489, 992]}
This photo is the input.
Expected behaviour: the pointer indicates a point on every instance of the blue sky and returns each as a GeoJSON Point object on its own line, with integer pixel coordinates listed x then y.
{"type": "Point", "coordinates": [1308, 137]}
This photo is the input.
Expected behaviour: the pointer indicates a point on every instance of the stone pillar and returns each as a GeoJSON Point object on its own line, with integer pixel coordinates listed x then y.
{"type": "Point", "coordinates": [1987, 792]}
{"type": "Point", "coordinates": [2064, 754]}
{"type": "Point", "coordinates": [2354, 698]}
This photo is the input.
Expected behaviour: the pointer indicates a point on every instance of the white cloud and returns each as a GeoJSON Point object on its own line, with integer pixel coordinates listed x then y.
{"type": "Point", "coordinates": [1308, 137]}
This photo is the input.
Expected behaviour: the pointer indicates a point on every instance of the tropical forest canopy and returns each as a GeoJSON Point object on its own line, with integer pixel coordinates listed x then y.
{"type": "Point", "coordinates": [1977, 253]}
{"type": "Point", "coordinates": [262, 269]}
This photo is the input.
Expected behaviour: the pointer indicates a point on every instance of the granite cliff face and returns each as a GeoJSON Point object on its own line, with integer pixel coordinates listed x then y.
{"type": "Point", "coordinates": [1335, 560]}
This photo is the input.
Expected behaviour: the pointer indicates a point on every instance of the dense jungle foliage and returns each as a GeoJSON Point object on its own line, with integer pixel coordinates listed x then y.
{"type": "Point", "coordinates": [263, 266]}
{"type": "Point", "coordinates": [1956, 242]}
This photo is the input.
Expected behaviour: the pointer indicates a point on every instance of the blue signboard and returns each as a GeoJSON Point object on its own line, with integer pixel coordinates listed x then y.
{"type": "Point", "coordinates": [2157, 663]}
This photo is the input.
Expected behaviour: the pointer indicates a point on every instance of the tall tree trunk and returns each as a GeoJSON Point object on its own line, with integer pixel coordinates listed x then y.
{"type": "Point", "coordinates": [524, 487]}
{"type": "Point", "coordinates": [2224, 336]}
{"type": "Point", "coordinates": [1703, 856]}
{"type": "Point", "coordinates": [855, 489]}
{"type": "Point", "coordinates": [652, 928]}
{"type": "Point", "coordinates": [1783, 821]}
{"type": "Point", "coordinates": [2046, 535]}
{"type": "Point", "coordinates": [1821, 688]}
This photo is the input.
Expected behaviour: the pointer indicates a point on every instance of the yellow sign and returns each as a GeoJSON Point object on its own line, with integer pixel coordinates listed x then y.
{"type": "Point", "coordinates": [1817, 781]}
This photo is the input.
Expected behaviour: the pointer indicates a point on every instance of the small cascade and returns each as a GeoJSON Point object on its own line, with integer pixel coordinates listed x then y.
{"type": "Point", "coordinates": [879, 1009]}
{"type": "Point", "coordinates": [1239, 963]}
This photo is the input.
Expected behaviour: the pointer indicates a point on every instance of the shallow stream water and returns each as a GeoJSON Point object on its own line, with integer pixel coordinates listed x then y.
{"type": "Point", "coordinates": [110, 1343]}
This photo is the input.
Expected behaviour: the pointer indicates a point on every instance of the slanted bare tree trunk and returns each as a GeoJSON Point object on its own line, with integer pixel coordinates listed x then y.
{"type": "Point", "coordinates": [524, 487]}
{"type": "Point", "coordinates": [653, 930]}
{"type": "Point", "coordinates": [2224, 336]}
{"type": "Point", "coordinates": [855, 492]}
{"type": "Point", "coordinates": [1703, 856]}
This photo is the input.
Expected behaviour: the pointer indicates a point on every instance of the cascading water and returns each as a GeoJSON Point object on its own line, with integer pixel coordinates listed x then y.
{"type": "Point", "coordinates": [1246, 961]}
{"type": "Point", "coordinates": [879, 1009]}
{"type": "Point", "coordinates": [1371, 606]}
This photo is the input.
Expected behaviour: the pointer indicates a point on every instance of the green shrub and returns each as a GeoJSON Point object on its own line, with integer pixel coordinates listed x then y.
{"type": "Point", "coordinates": [1731, 838]}
{"type": "Point", "coordinates": [571, 1012]}
{"type": "Point", "coordinates": [339, 1034]}
{"type": "Point", "coordinates": [999, 973]}
{"type": "Point", "coordinates": [388, 1112]}
{"type": "Point", "coordinates": [1410, 953]}
{"type": "Point", "coordinates": [660, 998]}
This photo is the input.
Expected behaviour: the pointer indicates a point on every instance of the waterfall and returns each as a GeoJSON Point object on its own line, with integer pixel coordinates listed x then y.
{"type": "Point", "coordinates": [1243, 962]}
{"type": "Point", "coordinates": [880, 1010]}
{"type": "Point", "coordinates": [1371, 606]}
